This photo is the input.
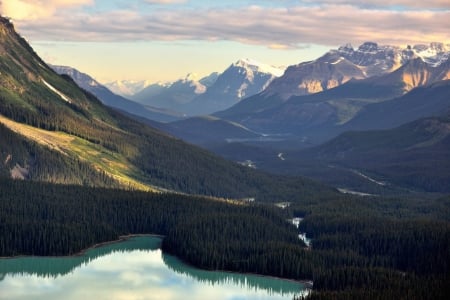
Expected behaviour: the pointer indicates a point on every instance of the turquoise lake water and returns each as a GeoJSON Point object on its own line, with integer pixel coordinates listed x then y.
{"type": "Point", "coordinates": [132, 269]}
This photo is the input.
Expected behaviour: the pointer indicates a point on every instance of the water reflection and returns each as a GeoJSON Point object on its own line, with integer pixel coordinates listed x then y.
{"type": "Point", "coordinates": [58, 266]}
{"type": "Point", "coordinates": [135, 269]}
{"type": "Point", "coordinates": [270, 284]}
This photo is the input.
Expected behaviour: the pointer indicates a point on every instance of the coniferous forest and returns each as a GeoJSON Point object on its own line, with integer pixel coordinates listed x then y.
{"type": "Point", "coordinates": [362, 248]}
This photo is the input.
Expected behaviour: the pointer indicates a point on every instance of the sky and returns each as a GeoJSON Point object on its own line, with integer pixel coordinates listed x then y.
{"type": "Point", "coordinates": [163, 40]}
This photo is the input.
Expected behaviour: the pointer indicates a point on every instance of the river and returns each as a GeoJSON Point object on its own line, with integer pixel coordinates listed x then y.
{"type": "Point", "coordinates": [132, 269]}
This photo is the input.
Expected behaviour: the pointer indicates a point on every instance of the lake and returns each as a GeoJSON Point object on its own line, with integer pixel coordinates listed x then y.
{"type": "Point", "coordinates": [132, 269]}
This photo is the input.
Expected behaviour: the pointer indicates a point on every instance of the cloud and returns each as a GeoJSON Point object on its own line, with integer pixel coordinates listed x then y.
{"type": "Point", "coordinates": [277, 28]}
{"type": "Point", "coordinates": [165, 1]}
{"type": "Point", "coordinates": [36, 9]}
{"type": "Point", "coordinates": [411, 4]}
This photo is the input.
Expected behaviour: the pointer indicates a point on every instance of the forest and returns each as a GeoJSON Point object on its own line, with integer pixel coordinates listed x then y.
{"type": "Point", "coordinates": [371, 248]}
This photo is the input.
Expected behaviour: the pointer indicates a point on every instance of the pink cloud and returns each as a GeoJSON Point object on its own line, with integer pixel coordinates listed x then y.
{"type": "Point", "coordinates": [278, 28]}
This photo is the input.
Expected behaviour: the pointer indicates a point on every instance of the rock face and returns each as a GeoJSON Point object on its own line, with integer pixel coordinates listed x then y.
{"type": "Point", "coordinates": [325, 73]}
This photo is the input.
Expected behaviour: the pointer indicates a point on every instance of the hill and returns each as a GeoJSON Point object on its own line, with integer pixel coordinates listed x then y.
{"type": "Point", "coordinates": [414, 157]}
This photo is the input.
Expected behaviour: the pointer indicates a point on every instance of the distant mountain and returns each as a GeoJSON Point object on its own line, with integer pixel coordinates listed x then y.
{"type": "Point", "coordinates": [345, 63]}
{"type": "Point", "coordinates": [176, 95]}
{"type": "Point", "coordinates": [322, 115]}
{"type": "Point", "coordinates": [109, 98]}
{"type": "Point", "coordinates": [52, 130]}
{"type": "Point", "coordinates": [242, 79]}
{"type": "Point", "coordinates": [425, 101]}
{"type": "Point", "coordinates": [194, 96]}
{"type": "Point", "coordinates": [127, 88]}
{"type": "Point", "coordinates": [413, 156]}
{"type": "Point", "coordinates": [306, 78]}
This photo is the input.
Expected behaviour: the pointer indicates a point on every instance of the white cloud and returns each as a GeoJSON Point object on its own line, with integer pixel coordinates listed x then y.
{"type": "Point", "coordinates": [277, 28]}
{"type": "Point", "coordinates": [35, 9]}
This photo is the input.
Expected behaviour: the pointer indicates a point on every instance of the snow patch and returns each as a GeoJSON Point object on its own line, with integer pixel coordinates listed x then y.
{"type": "Point", "coordinates": [64, 97]}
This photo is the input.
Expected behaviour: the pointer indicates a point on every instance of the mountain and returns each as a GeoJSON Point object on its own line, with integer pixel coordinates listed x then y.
{"type": "Point", "coordinates": [424, 101]}
{"type": "Point", "coordinates": [323, 115]}
{"type": "Point", "coordinates": [413, 156]}
{"type": "Point", "coordinates": [45, 112]}
{"type": "Point", "coordinates": [340, 65]}
{"type": "Point", "coordinates": [110, 99]}
{"type": "Point", "coordinates": [242, 79]}
{"type": "Point", "coordinates": [176, 95]}
{"type": "Point", "coordinates": [306, 78]}
{"type": "Point", "coordinates": [127, 88]}
{"type": "Point", "coordinates": [194, 96]}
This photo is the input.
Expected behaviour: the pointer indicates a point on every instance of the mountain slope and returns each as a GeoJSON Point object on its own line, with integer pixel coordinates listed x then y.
{"type": "Point", "coordinates": [24, 159]}
{"type": "Point", "coordinates": [419, 103]}
{"type": "Point", "coordinates": [34, 97]}
{"type": "Point", "coordinates": [307, 78]}
{"type": "Point", "coordinates": [415, 155]}
{"type": "Point", "coordinates": [110, 99]}
{"type": "Point", "coordinates": [412, 157]}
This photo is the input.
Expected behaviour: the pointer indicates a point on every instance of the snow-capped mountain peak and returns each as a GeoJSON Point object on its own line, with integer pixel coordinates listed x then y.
{"type": "Point", "coordinates": [256, 66]}
{"type": "Point", "coordinates": [127, 87]}
{"type": "Point", "coordinates": [433, 54]}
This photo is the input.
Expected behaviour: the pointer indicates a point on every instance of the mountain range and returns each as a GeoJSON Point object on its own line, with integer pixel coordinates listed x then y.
{"type": "Point", "coordinates": [113, 100]}
{"type": "Point", "coordinates": [57, 132]}
{"type": "Point", "coordinates": [388, 88]}
{"type": "Point", "coordinates": [340, 65]}
{"type": "Point", "coordinates": [198, 96]}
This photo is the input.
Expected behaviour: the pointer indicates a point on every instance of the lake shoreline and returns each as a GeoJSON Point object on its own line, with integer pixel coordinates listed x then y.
{"type": "Point", "coordinates": [121, 238]}
{"type": "Point", "coordinates": [308, 283]}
